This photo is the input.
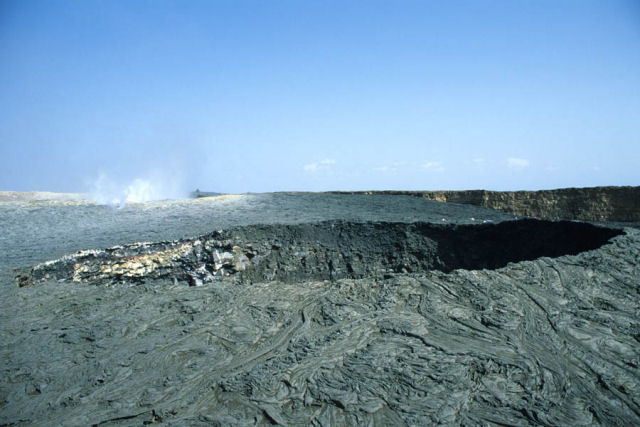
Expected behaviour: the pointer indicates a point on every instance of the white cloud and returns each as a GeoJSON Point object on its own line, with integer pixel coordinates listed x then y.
{"type": "Point", "coordinates": [478, 160]}
{"type": "Point", "coordinates": [321, 165]}
{"type": "Point", "coordinates": [390, 168]}
{"type": "Point", "coordinates": [517, 163]}
{"type": "Point", "coordinates": [433, 166]}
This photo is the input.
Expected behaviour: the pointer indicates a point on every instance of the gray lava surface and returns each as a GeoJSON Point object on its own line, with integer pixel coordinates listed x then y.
{"type": "Point", "coordinates": [315, 309]}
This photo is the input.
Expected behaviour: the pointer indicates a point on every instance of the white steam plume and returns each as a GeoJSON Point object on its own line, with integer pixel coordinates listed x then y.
{"type": "Point", "coordinates": [155, 186]}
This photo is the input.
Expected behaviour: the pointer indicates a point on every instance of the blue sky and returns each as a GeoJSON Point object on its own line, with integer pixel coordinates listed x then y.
{"type": "Point", "coordinates": [253, 96]}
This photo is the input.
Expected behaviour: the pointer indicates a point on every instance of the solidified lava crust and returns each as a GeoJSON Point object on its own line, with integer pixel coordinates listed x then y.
{"type": "Point", "coordinates": [332, 323]}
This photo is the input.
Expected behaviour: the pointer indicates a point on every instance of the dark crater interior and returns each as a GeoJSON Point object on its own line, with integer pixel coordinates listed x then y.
{"type": "Point", "coordinates": [337, 249]}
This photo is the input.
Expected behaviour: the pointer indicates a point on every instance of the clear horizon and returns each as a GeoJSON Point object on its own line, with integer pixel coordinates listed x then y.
{"type": "Point", "coordinates": [248, 96]}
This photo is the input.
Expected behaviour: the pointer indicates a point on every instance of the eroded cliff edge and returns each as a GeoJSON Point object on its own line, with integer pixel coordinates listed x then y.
{"type": "Point", "coordinates": [589, 203]}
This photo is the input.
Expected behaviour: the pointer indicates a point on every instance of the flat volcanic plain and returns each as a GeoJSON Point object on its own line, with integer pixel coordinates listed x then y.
{"type": "Point", "coordinates": [314, 309]}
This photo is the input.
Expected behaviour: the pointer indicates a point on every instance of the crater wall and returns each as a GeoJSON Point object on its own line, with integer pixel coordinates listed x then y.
{"type": "Point", "coordinates": [327, 250]}
{"type": "Point", "coordinates": [591, 203]}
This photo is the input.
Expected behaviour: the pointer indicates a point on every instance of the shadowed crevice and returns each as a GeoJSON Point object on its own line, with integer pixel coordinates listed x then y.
{"type": "Point", "coordinates": [494, 246]}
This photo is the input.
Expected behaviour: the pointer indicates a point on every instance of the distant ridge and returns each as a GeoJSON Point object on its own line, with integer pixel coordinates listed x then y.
{"type": "Point", "coordinates": [197, 194]}
{"type": "Point", "coordinates": [31, 196]}
{"type": "Point", "coordinates": [588, 203]}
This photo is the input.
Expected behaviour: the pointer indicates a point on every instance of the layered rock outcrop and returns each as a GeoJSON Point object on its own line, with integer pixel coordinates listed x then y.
{"type": "Point", "coordinates": [593, 204]}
